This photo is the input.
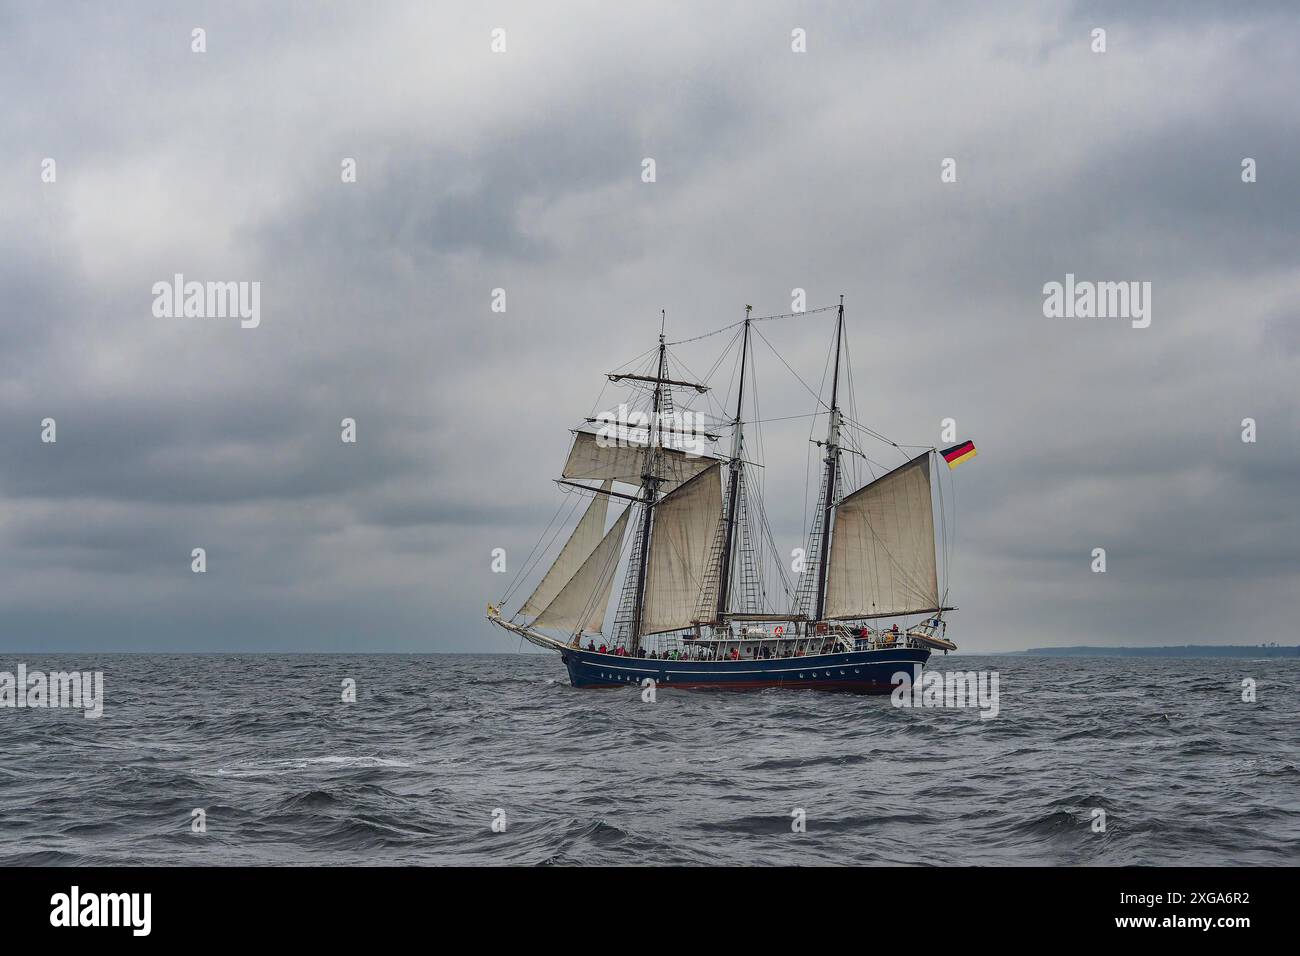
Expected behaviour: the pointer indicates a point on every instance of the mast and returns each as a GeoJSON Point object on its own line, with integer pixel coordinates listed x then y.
{"type": "Point", "coordinates": [650, 487]}
{"type": "Point", "coordinates": [832, 461]}
{"type": "Point", "coordinates": [733, 492]}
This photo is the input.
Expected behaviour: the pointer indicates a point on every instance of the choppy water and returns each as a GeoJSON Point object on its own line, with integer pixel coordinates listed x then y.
{"type": "Point", "coordinates": [412, 772]}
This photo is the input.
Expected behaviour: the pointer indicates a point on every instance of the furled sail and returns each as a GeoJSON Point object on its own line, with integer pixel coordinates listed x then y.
{"type": "Point", "coordinates": [685, 525]}
{"type": "Point", "coordinates": [594, 458]}
{"type": "Point", "coordinates": [582, 602]}
{"type": "Point", "coordinates": [882, 559]}
{"type": "Point", "coordinates": [586, 536]}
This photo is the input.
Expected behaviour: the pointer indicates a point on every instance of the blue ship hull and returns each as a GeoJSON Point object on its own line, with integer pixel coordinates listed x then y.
{"type": "Point", "coordinates": [861, 672]}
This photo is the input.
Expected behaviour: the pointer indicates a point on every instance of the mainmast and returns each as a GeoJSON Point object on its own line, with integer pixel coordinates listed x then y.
{"type": "Point", "coordinates": [650, 486]}
{"type": "Point", "coordinates": [832, 463]}
{"type": "Point", "coordinates": [733, 493]}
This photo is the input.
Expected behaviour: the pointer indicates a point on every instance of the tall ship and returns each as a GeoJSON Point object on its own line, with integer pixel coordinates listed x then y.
{"type": "Point", "coordinates": [707, 599]}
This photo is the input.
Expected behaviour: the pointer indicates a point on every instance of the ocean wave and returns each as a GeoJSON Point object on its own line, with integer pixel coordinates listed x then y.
{"type": "Point", "coordinates": [497, 761]}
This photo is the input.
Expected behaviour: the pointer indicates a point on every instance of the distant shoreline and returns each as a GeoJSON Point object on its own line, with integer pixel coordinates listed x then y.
{"type": "Point", "coordinates": [1183, 650]}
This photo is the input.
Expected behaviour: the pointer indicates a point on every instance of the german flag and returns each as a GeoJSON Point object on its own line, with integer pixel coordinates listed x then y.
{"type": "Point", "coordinates": [955, 455]}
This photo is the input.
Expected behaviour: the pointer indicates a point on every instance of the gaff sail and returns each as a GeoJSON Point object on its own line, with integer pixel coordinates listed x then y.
{"type": "Point", "coordinates": [685, 524]}
{"type": "Point", "coordinates": [882, 554]}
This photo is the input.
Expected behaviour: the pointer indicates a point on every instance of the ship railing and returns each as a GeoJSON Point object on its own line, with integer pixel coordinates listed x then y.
{"type": "Point", "coordinates": [884, 640]}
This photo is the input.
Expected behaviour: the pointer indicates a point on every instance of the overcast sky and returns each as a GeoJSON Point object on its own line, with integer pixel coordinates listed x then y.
{"type": "Point", "coordinates": [522, 170]}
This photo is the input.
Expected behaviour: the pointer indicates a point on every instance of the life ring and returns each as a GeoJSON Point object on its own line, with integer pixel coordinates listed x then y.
{"type": "Point", "coordinates": [779, 630]}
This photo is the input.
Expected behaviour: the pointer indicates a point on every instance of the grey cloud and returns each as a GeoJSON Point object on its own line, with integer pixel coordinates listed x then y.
{"type": "Point", "coordinates": [775, 171]}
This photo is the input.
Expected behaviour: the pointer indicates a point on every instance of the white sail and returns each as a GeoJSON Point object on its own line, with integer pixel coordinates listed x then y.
{"type": "Point", "coordinates": [882, 559]}
{"type": "Point", "coordinates": [582, 602]}
{"type": "Point", "coordinates": [685, 523]}
{"type": "Point", "coordinates": [594, 458]}
{"type": "Point", "coordinates": [584, 539]}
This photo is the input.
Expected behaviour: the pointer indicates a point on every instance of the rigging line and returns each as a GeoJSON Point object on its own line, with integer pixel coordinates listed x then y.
{"type": "Point", "coordinates": [732, 379]}
{"type": "Point", "coordinates": [757, 318]}
{"type": "Point", "coordinates": [653, 348]}
{"type": "Point", "coordinates": [525, 567]}
{"type": "Point", "coordinates": [780, 418]}
{"type": "Point", "coordinates": [794, 315]}
{"type": "Point", "coordinates": [755, 509]}
{"type": "Point", "coordinates": [589, 606]}
{"type": "Point", "coordinates": [815, 395]}
{"type": "Point", "coordinates": [753, 523]}
{"type": "Point", "coordinates": [599, 397]}
{"type": "Point", "coordinates": [766, 527]}
{"type": "Point", "coordinates": [851, 443]}
{"type": "Point", "coordinates": [950, 537]}
{"type": "Point", "coordinates": [856, 448]}
{"type": "Point", "coordinates": [514, 582]}
{"type": "Point", "coordinates": [536, 562]}
{"type": "Point", "coordinates": [761, 482]}
{"type": "Point", "coordinates": [808, 458]}
{"type": "Point", "coordinates": [717, 362]}
{"type": "Point", "coordinates": [627, 547]}
{"type": "Point", "coordinates": [947, 543]}
{"type": "Point", "coordinates": [708, 396]}
{"type": "Point", "coordinates": [807, 469]}
{"type": "Point", "coordinates": [852, 401]}
{"type": "Point", "coordinates": [853, 396]}
{"type": "Point", "coordinates": [806, 386]}
{"type": "Point", "coordinates": [760, 440]}
{"type": "Point", "coordinates": [843, 418]}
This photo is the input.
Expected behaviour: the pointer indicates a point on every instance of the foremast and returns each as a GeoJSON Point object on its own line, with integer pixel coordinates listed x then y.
{"type": "Point", "coordinates": [650, 486]}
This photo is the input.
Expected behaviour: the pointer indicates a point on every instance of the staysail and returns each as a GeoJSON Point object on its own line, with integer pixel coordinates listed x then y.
{"type": "Point", "coordinates": [581, 603]}
{"type": "Point", "coordinates": [596, 458]}
{"type": "Point", "coordinates": [586, 536]}
{"type": "Point", "coordinates": [882, 554]}
{"type": "Point", "coordinates": [685, 525]}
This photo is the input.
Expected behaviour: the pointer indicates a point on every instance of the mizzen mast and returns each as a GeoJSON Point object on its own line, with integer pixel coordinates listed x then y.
{"type": "Point", "coordinates": [832, 465]}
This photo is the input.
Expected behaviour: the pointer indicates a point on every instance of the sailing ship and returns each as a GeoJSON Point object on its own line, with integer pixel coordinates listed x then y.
{"type": "Point", "coordinates": [706, 600]}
